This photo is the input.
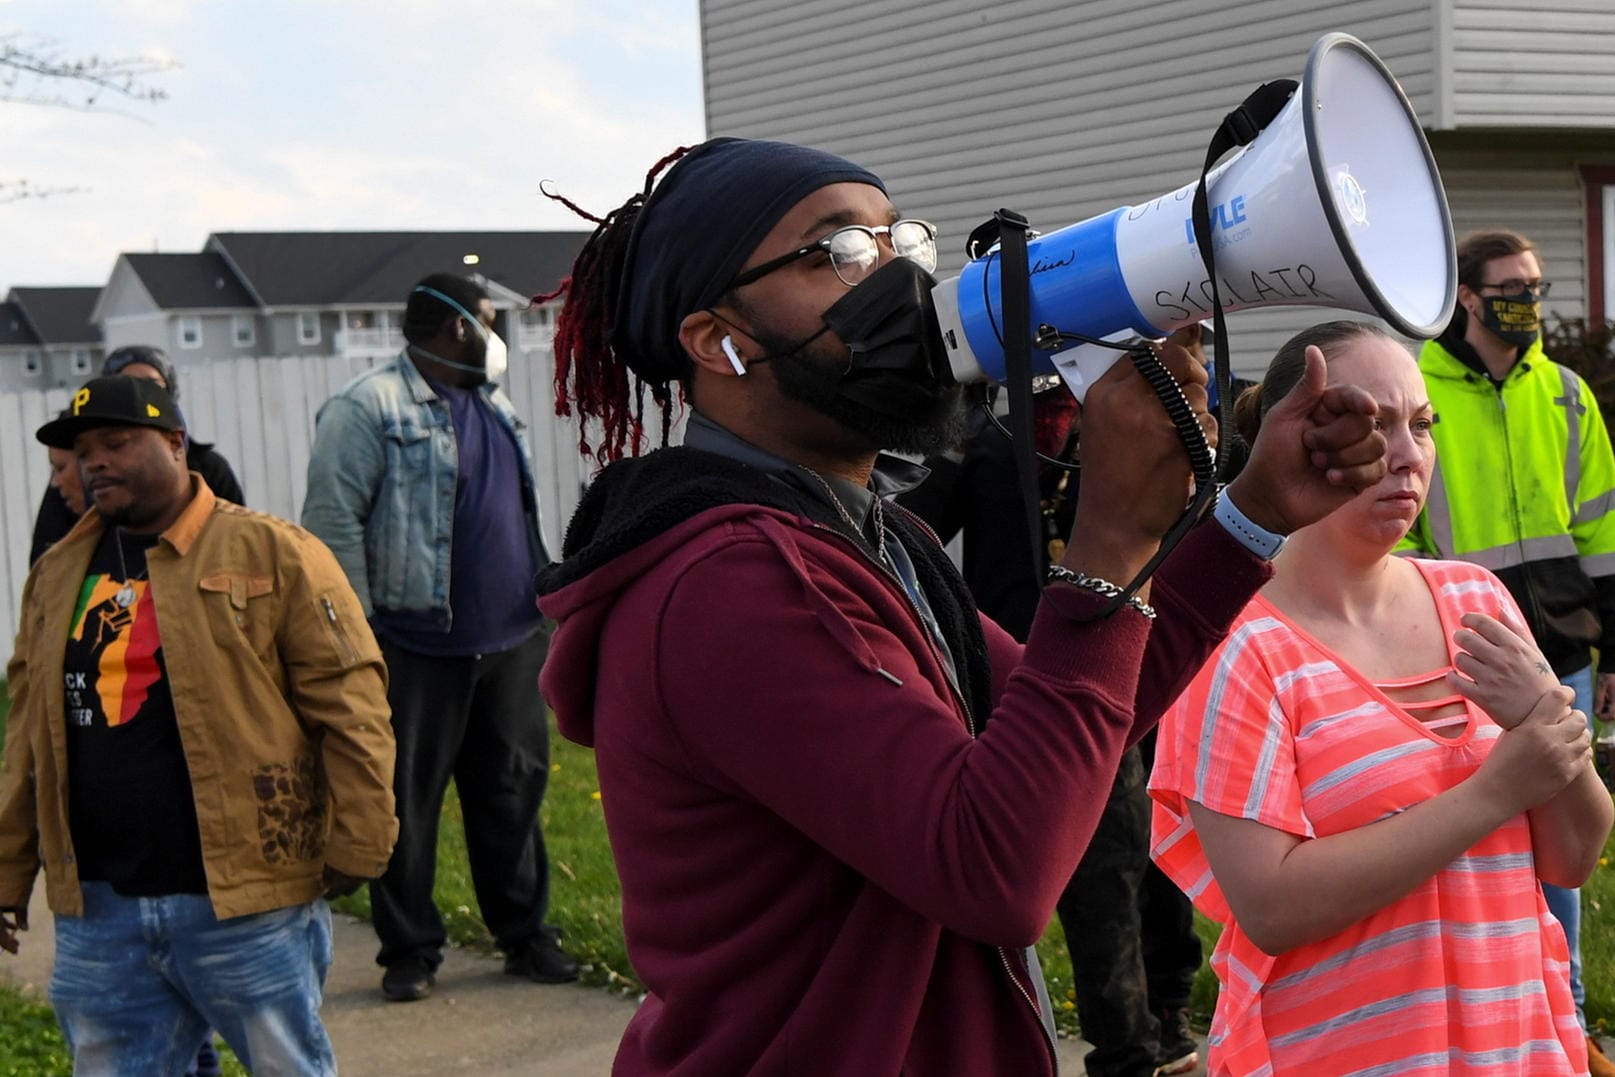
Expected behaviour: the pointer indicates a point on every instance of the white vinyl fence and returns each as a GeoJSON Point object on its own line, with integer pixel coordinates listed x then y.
{"type": "Point", "coordinates": [259, 413]}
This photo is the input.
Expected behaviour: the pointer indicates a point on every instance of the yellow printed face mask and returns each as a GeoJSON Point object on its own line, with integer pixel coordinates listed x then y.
{"type": "Point", "coordinates": [1515, 318]}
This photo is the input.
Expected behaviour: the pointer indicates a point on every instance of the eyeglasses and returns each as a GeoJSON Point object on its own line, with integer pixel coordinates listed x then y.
{"type": "Point", "coordinates": [1514, 286]}
{"type": "Point", "coordinates": [855, 251]}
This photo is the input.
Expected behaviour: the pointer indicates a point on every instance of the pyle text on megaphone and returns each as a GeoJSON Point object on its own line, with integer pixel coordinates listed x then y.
{"type": "Point", "coordinates": [1338, 204]}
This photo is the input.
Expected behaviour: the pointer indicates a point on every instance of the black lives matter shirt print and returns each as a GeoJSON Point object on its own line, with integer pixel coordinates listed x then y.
{"type": "Point", "coordinates": [133, 813]}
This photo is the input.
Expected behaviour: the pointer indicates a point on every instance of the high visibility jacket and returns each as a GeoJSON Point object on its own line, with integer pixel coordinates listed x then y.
{"type": "Point", "coordinates": [1525, 485]}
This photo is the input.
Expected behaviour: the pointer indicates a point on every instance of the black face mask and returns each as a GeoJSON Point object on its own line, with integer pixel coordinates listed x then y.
{"type": "Point", "coordinates": [894, 387]}
{"type": "Point", "coordinates": [1516, 319]}
{"type": "Point", "coordinates": [897, 365]}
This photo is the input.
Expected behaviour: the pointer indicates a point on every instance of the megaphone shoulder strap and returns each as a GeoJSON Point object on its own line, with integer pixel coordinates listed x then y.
{"type": "Point", "coordinates": [1239, 128]}
{"type": "Point", "coordinates": [1015, 286]}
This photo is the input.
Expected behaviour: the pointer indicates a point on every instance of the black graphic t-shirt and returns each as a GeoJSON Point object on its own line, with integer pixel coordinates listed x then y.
{"type": "Point", "coordinates": [129, 789]}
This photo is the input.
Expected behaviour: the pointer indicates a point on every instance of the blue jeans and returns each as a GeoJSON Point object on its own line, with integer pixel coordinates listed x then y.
{"type": "Point", "coordinates": [139, 981]}
{"type": "Point", "coordinates": [1566, 904]}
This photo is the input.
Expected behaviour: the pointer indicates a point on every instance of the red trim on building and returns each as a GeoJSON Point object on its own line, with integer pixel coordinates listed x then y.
{"type": "Point", "coordinates": [1594, 179]}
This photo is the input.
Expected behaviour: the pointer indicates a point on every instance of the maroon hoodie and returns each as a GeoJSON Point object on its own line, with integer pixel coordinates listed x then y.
{"type": "Point", "coordinates": [828, 863]}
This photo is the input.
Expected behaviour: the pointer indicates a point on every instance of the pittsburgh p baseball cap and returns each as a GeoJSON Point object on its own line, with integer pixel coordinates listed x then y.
{"type": "Point", "coordinates": [115, 401]}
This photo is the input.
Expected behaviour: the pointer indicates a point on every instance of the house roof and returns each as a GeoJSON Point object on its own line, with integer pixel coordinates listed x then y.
{"type": "Point", "coordinates": [14, 328]}
{"type": "Point", "coordinates": [190, 281]}
{"type": "Point", "coordinates": [59, 315]}
{"type": "Point", "coordinates": [293, 269]}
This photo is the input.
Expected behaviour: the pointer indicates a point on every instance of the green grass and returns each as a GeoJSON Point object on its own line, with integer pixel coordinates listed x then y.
{"type": "Point", "coordinates": [1056, 961]}
{"type": "Point", "coordinates": [585, 903]}
{"type": "Point", "coordinates": [1598, 942]}
{"type": "Point", "coordinates": [30, 1044]}
{"type": "Point", "coordinates": [584, 898]}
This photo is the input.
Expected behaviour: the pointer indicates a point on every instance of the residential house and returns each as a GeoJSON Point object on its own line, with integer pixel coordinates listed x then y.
{"type": "Point", "coordinates": [46, 337]}
{"type": "Point", "coordinates": [264, 327]}
{"type": "Point", "coordinates": [322, 293]}
{"type": "Point", "coordinates": [1065, 110]}
{"type": "Point", "coordinates": [193, 306]}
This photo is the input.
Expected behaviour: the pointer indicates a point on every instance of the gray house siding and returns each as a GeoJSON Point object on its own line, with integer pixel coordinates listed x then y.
{"type": "Point", "coordinates": [1547, 64]}
{"type": "Point", "coordinates": [60, 366]}
{"type": "Point", "coordinates": [218, 335]}
{"type": "Point", "coordinates": [71, 365]}
{"type": "Point", "coordinates": [283, 338]}
{"type": "Point", "coordinates": [1533, 189]}
{"type": "Point", "coordinates": [149, 327]}
{"type": "Point", "coordinates": [14, 372]}
{"type": "Point", "coordinates": [124, 295]}
{"type": "Point", "coordinates": [1060, 110]}
{"type": "Point", "coordinates": [253, 336]}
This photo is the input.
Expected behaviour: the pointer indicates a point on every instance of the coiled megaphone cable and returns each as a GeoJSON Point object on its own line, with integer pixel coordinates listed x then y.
{"type": "Point", "coordinates": [1202, 461]}
{"type": "Point", "coordinates": [1013, 278]}
{"type": "Point", "coordinates": [1170, 395]}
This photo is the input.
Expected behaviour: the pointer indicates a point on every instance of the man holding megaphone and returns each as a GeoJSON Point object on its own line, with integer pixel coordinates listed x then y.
{"type": "Point", "coordinates": [842, 804]}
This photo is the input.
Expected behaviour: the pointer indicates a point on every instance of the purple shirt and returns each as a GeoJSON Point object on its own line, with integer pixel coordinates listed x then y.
{"type": "Point", "coordinates": [491, 562]}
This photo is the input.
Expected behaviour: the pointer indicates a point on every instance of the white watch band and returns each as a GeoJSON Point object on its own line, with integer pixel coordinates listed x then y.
{"type": "Point", "coordinates": [1258, 540]}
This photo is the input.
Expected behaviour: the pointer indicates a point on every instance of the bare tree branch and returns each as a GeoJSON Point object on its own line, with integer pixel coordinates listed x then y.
{"type": "Point", "coordinates": [35, 71]}
{"type": "Point", "coordinates": [17, 190]}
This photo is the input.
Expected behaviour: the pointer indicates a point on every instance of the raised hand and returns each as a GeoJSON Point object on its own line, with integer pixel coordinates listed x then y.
{"type": "Point", "coordinates": [1500, 668]}
{"type": "Point", "coordinates": [1317, 448]}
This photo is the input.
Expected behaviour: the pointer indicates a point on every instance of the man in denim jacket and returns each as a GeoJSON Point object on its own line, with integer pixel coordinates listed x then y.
{"type": "Point", "coordinates": [421, 482]}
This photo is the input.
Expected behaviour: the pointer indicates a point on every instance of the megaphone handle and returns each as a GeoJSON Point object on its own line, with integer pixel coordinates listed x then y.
{"type": "Point", "coordinates": [1202, 461]}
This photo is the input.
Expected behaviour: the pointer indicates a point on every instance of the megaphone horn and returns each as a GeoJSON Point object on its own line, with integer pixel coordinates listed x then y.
{"type": "Point", "coordinates": [1337, 203]}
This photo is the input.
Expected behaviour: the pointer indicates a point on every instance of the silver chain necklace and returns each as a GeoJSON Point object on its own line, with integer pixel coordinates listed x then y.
{"type": "Point", "coordinates": [126, 594]}
{"type": "Point", "coordinates": [880, 517]}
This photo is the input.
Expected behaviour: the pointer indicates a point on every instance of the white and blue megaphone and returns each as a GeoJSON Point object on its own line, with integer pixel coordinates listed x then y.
{"type": "Point", "coordinates": [1336, 204]}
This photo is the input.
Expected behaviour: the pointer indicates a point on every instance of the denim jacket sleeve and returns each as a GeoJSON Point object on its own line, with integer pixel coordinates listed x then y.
{"type": "Point", "coordinates": [345, 471]}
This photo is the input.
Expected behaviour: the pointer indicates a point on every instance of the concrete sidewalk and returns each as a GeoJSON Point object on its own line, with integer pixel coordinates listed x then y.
{"type": "Point", "coordinates": [478, 1020]}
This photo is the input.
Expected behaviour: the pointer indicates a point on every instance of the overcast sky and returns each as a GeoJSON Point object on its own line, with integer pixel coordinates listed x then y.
{"type": "Point", "coordinates": [340, 114]}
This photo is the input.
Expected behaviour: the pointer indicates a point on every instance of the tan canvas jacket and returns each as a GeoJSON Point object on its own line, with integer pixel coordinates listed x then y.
{"type": "Point", "coordinates": [280, 694]}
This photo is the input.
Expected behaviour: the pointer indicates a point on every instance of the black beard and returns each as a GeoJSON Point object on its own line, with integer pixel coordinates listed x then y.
{"type": "Point", "coordinates": [476, 351]}
{"type": "Point", "coordinates": [131, 517]}
{"type": "Point", "coordinates": [817, 383]}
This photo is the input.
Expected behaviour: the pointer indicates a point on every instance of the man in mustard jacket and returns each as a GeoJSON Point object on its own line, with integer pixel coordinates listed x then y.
{"type": "Point", "coordinates": [198, 752]}
{"type": "Point", "coordinates": [1525, 486]}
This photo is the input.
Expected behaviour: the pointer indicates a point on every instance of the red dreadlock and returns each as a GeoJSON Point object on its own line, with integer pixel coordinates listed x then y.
{"type": "Point", "coordinates": [588, 374]}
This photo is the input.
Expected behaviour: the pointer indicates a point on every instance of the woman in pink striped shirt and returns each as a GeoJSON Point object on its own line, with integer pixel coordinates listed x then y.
{"type": "Point", "coordinates": [1366, 782]}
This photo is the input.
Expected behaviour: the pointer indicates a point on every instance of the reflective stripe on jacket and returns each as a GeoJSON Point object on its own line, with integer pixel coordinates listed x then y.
{"type": "Point", "coordinates": [1525, 486]}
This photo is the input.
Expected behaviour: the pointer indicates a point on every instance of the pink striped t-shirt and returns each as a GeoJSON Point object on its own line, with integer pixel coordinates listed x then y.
{"type": "Point", "coordinates": [1468, 974]}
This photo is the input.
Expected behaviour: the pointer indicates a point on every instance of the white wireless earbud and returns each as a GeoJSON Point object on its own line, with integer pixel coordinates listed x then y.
{"type": "Point", "coordinates": [728, 346]}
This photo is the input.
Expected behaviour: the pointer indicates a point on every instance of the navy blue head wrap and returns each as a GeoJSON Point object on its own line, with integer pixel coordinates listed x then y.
{"type": "Point", "coordinates": [698, 228]}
